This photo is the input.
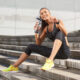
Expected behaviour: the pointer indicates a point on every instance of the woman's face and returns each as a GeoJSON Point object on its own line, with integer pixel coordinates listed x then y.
{"type": "Point", "coordinates": [45, 14]}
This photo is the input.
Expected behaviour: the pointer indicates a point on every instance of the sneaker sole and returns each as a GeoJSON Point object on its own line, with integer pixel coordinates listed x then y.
{"type": "Point", "coordinates": [11, 71]}
{"type": "Point", "coordinates": [47, 69]}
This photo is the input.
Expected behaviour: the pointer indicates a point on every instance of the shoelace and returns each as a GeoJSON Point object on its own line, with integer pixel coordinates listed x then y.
{"type": "Point", "coordinates": [48, 61]}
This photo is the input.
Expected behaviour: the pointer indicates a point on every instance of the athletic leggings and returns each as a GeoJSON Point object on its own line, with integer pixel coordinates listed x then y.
{"type": "Point", "coordinates": [63, 52]}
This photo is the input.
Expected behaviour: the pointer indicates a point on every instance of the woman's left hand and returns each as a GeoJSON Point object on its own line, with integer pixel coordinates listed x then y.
{"type": "Point", "coordinates": [54, 20]}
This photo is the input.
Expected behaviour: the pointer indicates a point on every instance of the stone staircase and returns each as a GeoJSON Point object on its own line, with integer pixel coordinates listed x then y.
{"type": "Point", "coordinates": [11, 48]}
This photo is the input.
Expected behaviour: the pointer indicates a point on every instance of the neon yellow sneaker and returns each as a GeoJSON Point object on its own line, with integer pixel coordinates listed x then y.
{"type": "Point", "coordinates": [11, 68]}
{"type": "Point", "coordinates": [48, 65]}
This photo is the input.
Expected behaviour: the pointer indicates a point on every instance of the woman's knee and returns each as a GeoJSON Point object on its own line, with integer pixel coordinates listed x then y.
{"type": "Point", "coordinates": [28, 49]}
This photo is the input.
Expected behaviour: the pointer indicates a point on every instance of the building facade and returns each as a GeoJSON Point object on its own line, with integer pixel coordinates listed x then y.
{"type": "Point", "coordinates": [17, 17]}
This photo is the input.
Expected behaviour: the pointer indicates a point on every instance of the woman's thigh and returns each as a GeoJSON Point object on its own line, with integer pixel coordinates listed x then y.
{"type": "Point", "coordinates": [45, 51]}
{"type": "Point", "coordinates": [39, 49]}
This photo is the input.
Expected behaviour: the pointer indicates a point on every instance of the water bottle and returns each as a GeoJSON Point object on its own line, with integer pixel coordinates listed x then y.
{"type": "Point", "coordinates": [39, 22]}
{"type": "Point", "coordinates": [39, 25]}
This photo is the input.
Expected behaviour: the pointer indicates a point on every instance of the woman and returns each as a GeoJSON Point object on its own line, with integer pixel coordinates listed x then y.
{"type": "Point", "coordinates": [54, 29]}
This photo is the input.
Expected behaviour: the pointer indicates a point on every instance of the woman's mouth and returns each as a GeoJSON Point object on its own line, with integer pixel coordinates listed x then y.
{"type": "Point", "coordinates": [45, 18]}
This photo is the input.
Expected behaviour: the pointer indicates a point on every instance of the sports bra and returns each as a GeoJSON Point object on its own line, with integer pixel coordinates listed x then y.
{"type": "Point", "coordinates": [51, 35]}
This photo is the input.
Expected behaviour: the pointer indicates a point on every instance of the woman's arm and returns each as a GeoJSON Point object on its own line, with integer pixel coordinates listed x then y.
{"type": "Point", "coordinates": [67, 41]}
{"type": "Point", "coordinates": [41, 37]}
{"type": "Point", "coordinates": [61, 27]}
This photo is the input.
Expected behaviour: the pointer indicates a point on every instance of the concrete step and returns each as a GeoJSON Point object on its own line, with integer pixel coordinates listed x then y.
{"type": "Point", "coordinates": [32, 38]}
{"type": "Point", "coordinates": [17, 47]}
{"type": "Point", "coordinates": [74, 45]}
{"type": "Point", "coordinates": [74, 33]}
{"type": "Point", "coordinates": [17, 38]}
{"type": "Point", "coordinates": [17, 75]}
{"type": "Point", "coordinates": [1, 78]}
{"type": "Point", "coordinates": [13, 47]}
{"type": "Point", "coordinates": [34, 68]}
{"type": "Point", "coordinates": [74, 53]}
{"type": "Point", "coordinates": [25, 40]}
{"type": "Point", "coordinates": [73, 63]}
{"type": "Point", "coordinates": [26, 43]}
{"type": "Point", "coordinates": [74, 39]}
{"type": "Point", "coordinates": [16, 43]}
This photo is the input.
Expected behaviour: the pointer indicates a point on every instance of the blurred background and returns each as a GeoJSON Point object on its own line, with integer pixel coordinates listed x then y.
{"type": "Point", "coordinates": [17, 17]}
{"type": "Point", "coordinates": [17, 20]}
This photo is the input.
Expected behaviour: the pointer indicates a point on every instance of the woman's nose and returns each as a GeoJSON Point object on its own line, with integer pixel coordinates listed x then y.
{"type": "Point", "coordinates": [43, 14]}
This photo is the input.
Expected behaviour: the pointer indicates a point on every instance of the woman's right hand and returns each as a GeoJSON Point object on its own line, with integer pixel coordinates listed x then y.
{"type": "Point", "coordinates": [36, 27]}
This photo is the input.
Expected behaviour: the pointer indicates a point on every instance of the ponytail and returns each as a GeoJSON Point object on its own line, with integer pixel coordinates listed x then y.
{"type": "Point", "coordinates": [44, 24]}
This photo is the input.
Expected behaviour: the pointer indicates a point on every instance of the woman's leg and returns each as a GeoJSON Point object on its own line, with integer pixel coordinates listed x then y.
{"type": "Point", "coordinates": [60, 49]}
{"type": "Point", "coordinates": [22, 58]}
{"type": "Point", "coordinates": [56, 47]}
{"type": "Point", "coordinates": [42, 50]}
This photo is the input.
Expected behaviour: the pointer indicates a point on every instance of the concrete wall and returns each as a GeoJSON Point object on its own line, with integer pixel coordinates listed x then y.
{"type": "Point", "coordinates": [17, 17]}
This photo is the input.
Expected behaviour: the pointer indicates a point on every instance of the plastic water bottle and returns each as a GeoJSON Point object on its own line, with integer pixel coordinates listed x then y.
{"type": "Point", "coordinates": [39, 25]}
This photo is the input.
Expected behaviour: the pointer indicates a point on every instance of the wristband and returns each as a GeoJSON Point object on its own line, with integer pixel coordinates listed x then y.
{"type": "Point", "coordinates": [36, 31]}
{"type": "Point", "coordinates": [57, 22]}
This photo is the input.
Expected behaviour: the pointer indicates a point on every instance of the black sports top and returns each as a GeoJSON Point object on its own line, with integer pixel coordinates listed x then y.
{"type": "Point", "coordinates": [52, 35]}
